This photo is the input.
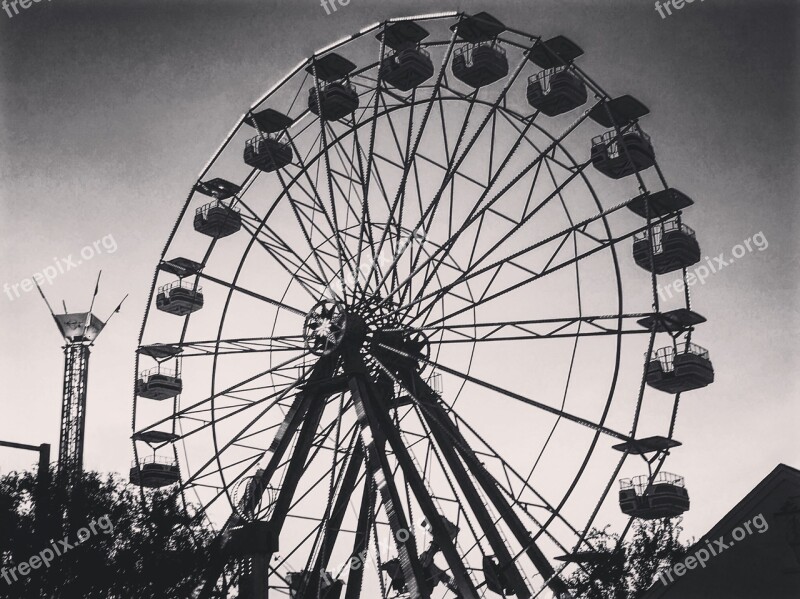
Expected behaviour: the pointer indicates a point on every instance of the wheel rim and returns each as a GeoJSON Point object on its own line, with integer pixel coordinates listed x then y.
{"type": "Point", "coordinates": [390, 303]}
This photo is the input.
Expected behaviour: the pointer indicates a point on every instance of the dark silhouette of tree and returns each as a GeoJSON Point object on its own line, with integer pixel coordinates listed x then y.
{"type": "Point", "coordinates": [629, 568]}
{"type": "Point", "coordinates": [117, 547]}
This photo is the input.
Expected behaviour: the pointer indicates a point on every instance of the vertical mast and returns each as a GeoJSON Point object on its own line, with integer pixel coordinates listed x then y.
{"type": "Point", "coordinates": [79, 330]}
{"type": "Point", "coordinates": [73, 412]}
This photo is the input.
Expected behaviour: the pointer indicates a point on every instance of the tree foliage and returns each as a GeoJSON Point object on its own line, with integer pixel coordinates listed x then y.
{"type": "Point", "coordinates": [156, 550]}
{"type": "Point", "coordinates": [629, 568]}
{"type": "Point", "coordinates": [152, 550]}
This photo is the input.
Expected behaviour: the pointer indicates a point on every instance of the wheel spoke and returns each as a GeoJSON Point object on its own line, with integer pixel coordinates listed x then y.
{"type": "Point", "coordinates": [521, 330]}
{"type": "Point", "coordinates": [512, 395]}
{"type": "Point", "coordinates": [478, 211]}
{"type": "Point", "coordinates": [548, 269]}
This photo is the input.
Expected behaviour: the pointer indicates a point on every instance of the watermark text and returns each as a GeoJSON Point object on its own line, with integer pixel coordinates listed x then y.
{"type": "Point", "coordinates": [46, 556]}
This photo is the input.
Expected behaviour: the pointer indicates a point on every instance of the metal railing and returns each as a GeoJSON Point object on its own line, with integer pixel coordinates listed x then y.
{"type": "Point", "coordinates": [154, 460]}
{"type": "Point", "coordinates": [434, 381]}
{"type": "Point", "coordinates": [256, 141]}
{"type": "Point", "coordinates": [179, 284]}
{"type": "Point", "coordinates": [467, 50]}
{"type": "Point", "coordinates": [323, 86]}
{"type": "Point", "coordinates": [146, 374]}
{"type": "Point", "coordinates": [611, 140]}
{"type": "Point", "coordinates": [205, 208]}
{"type": "Point", "coordinates": [640, 483]}
{"type": "Point", "coordinates": [666, 355]}
{"type": "Point", "coordinates": [666, 227]}
{"type": "Point", "coordinates": [543, 77]}
{"type": "Point", "coordinates": [415, 50]}
{"type": "Point", "coordinates": [659, 230]}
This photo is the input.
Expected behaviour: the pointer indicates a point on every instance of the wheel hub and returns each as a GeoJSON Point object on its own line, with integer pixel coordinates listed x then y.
{"type": "Point", "coordinates": [371, 325]}
{"type": "Point", "coordinates": [324, 327]}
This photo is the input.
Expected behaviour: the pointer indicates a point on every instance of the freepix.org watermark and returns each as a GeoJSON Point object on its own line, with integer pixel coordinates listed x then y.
{"type": "Point", "coordinates": [714, 265]}
{"type": "Point", "coordinates": [330, 5]}
{"type": "Point", "coordinates": [714, 548]}
{"type": "Point", "coordinates": [8, 5]}
{"type": "Point", "coordinates": [361, 560]}
{"type": "Point", "coordinates": [61, 266]}
{"type": "Point", "coordinates": [354, 277]}
{"type": "Point", "coordinates": [669, 5]}
{"type": "Point", "coordinates": [46, 556]}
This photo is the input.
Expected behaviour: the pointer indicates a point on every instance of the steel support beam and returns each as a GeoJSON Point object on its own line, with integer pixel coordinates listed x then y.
{"type": "Point", "coordinates": [426, 396]}
{"type": "Point", "coordinates": [361, 542]}
{"type": "Point", "coordinates": [380, 470]}
{"type": "Point", "coordinates": [333, 525]}
{"type": "Point", "coordinates": [383, 429]}
{"type": "Point", "coordinates": [73, 413]}
{"type": "Point", "coordinates": [295, 417]}
{"type": "Point", "coordinates": [492, 490]}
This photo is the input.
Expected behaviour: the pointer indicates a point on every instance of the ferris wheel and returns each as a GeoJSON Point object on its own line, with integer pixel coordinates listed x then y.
{"type": "Point", "coordinates": [406, 331]}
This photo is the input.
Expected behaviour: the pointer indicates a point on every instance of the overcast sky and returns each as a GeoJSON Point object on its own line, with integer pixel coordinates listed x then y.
{"type": "Point", "coordinates": [109, 110]}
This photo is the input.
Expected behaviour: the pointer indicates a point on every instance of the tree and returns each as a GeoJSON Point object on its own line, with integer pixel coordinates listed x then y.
{"type": "Point", "coordinates": [117, 547]}
{"type": "Point", "coordinates": [627, 569]}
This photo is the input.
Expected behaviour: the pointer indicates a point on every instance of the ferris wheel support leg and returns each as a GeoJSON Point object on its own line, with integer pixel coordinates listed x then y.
{"type": "Point", "coordinates": [490, 486]}
{"type": "Point", "coordinates": [475, 501]}
{"type": "Point", "coordinates": [380, 471]}
{"type": "Point", "coordinates": [334, 522]}
{"type": "Point", "coordinates": [299, 415]}
{"type": "Point", "coordinates": [369, 407]}
{"type": "Point", "coordinates": [361, 542]}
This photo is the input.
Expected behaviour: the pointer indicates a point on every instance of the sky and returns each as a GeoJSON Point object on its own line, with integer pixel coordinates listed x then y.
{"type": "Point", "coordinates": [109, 110]}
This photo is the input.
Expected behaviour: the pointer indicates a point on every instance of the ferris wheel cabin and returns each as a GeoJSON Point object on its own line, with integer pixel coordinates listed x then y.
{"type": "Point", "coordinates": [179, 298]}
{"type": "Point", "coordinates": [267, 151]}
{"type": "Point", "coordinates": [556, 91]}
{"type": "Point", "coordinates": [666, 497]}
{"type": "Point", "coordinates": [683, 369]}
{"type": "Point", "coordinates": [155, 473]}
{"type": "Point", "coordinates": [217, 219]}
{"type": "Point", "coordinates": [337, 97]}
{"type": "Point", "coordinates": [158, 384]}
{"type": "Point", "coordinates": [409, 65]}
{"type": "Point", "coordinates": [674, 246]}
{"type": "Point", "coordinates": [480, 64]}
{"type": "Point", "coordinates": [481, 61]}
{"type": "Point", "coordinates": [617, 156]}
